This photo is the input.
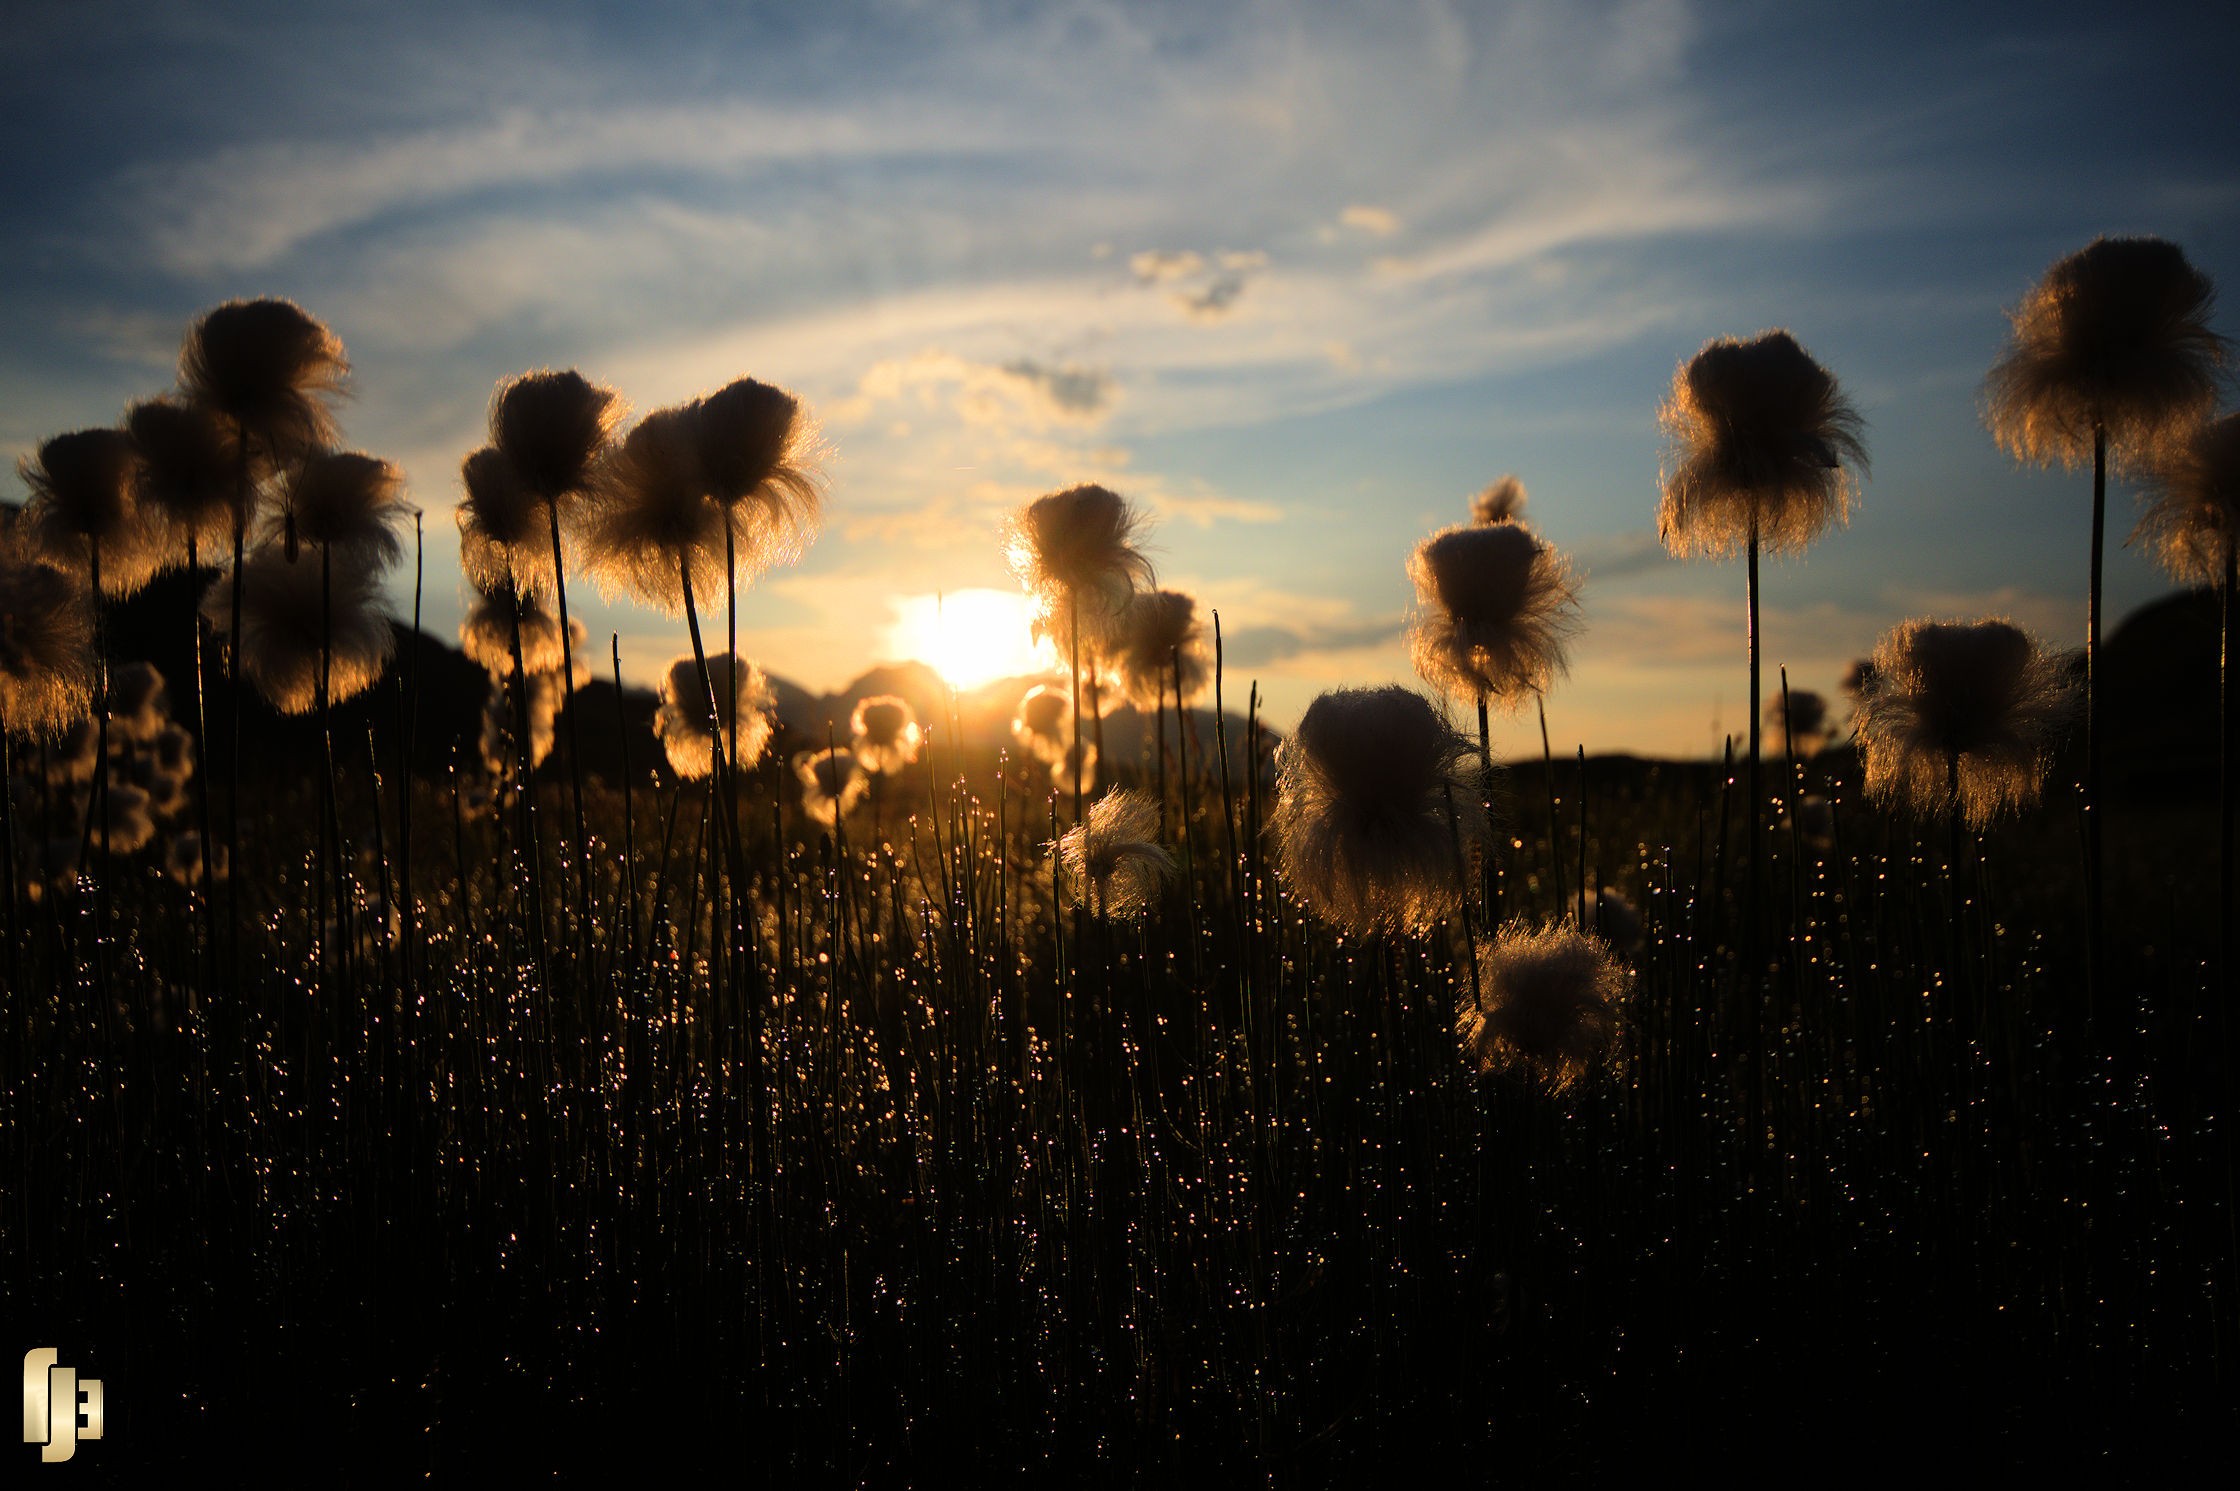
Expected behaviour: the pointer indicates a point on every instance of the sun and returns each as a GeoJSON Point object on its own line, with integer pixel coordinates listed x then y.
{"type": "Point", "coordinates": [969, 637]}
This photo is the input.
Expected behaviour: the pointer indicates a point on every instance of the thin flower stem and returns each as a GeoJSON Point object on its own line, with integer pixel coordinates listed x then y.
{"type": "Point", "coordinates": [629, 897]}
{"type": "Point", "coordinates": [2228, 715]}
{"type": "Point", "coordinates": [408, 700]}
{"type": "Point", "coordinates": [2093, 888]}
{"type": "Point", "coordinates": [201, 783]}
{"type": "Point", "coordinates": [523, 756]}
{"type": "Point", "coordinates": [1753, 946]}
{"type": "Point", "coordinates": [584, 908]}
{"type": "Point", "coordinates": [1555, 819]}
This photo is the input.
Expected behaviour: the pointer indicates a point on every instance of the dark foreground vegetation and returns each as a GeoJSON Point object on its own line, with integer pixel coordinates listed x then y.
{"type": "Point", "coordinates": [945, 1183]}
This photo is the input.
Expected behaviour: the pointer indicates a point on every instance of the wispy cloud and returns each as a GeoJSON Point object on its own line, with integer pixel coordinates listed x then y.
{"type": "Point", "coordinates": [1378, 222]}
{"type": "Point", "coordinates": [247, 206]}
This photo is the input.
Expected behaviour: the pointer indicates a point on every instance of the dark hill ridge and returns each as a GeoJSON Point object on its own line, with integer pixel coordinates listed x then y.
{"type": "Point", "coordinates": [2159, 701]}
{"type": "Point", "coordinates": [435, 691]}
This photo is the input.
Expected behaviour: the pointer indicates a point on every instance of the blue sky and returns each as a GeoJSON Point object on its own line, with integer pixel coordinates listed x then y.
{"type": "Point", "coordinates": [1299, 278]}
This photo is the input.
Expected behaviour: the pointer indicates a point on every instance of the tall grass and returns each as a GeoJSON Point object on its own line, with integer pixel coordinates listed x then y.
{"type": "Point", "coordinates": [1208, 1194]}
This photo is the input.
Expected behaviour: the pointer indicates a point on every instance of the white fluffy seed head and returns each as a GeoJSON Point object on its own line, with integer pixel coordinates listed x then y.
{"type": "Point", "coordinates": [2192, 520]}
{"type": "Point", "coordinates": [1553, 999]}
{"type": "Point", "coordinates": [1374, 793]}
{"type": "Point", "coordinates": [885, 734]}
{"type": "Point", "coordinates": [1157, 647]}
{"type": "Point", "coordinates": [1114, 864]}
{"type": "Point", "coordinates": [687, 730]}
{"type": "Point", "coordinates": [1763, 442]}
{"type": "Point", "coordinates": [1501, 502]}
{"type": "Point", "coordinates": [1494, 609]}
{"type": "Point", "coordinates": [1962, 710]}
{"type": "Point", "coordinates": [281, 623]}
{"type": "Point", "coordinates": [831, 784]}
{"type": "Point", "coordinates": [2115, 338]}
{"type": "Point", "coordinates": [1076, 550]}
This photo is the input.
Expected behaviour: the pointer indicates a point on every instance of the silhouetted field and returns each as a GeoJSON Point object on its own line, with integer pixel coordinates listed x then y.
{"type": "Point", "coordinates": [945, 1182]}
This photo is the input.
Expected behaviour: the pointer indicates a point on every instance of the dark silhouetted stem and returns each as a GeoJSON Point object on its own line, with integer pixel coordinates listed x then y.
{"type": "Point", "coordinates": [201, 777]}
{"type": "Point", "coordinates": [2228, 736]}
{"type": "Point", "coordinates": [1953, 843]}
{"type": "Point", "coordinates": [575, 747]}
{"type": "Point", "coordinates": [233, 704]}
{"type": "Point", "coordinates": [1462, 889]}
{"type": "Point", "coordinates": [1490, 867]}
{"type": "Point", "coordinates": [1581, 918]}
{"type": "Point", "coordinates": [629, 818]}
{"type": "Point", "coordinates": [525, 767]}
{"type": "Point", "coordinates": [409, 702]}
{"type": "Point", "coordinates": [1753, 948]}
{"type": "Point", "coordinates": [1555, 822]}
{"type": "Point", "coordinates": [8, 856]}
{"type": "Point", "coordinates": [2092, 860]}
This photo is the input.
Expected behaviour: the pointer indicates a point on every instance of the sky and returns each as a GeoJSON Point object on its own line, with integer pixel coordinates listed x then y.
{"type": "Point", "coordinates": [1297, 279]}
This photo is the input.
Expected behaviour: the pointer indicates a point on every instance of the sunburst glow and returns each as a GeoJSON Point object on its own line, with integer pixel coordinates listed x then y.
{"type": "Point", "coordinates": [969, 637]}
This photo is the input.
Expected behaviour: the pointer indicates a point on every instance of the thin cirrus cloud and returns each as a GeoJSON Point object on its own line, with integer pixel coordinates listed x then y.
{"type": "Point", "coordinates": [247, 207]}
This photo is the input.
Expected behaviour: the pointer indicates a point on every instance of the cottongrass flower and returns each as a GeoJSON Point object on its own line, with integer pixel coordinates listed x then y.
{"type": "Point", "coordinates": [2192, 519]}
{"type": "Point", "coordinates": [552, 428]}
{"type": "Point", "coordinates": [1765, 449]}
{"type": "Point", "coordinates": [2112, 345]}
{"type": "Point", "coordinates": [190, 470]}
{"type": "Point", "coordinates": [1496, 606]}
{"type": "Point", "coordinates": [1114, 863]}
{"type": "Point", "coordinates": [651, 529]}
{"type": "Point", "coordinates": [139, 707]}
{"type": "Point", "coordinates": [2111, 356]}
{"type": "Point", "coordinates": [345, 502]}
{"type": "Point", "coordinates": [281, 621]}
{"type": "Point", "coordinates": [1158, 636]}
{"type": "Point", "coordinates": [1553, 1000]}
{"type": "Point", "coordinates": [1075, 552]}
{"type": "Point", "coordinates": [503, 536]}
{"type": "Point", "coordinates": [758, 452]}
{"type": "Point", "coordinates": [501, 741]}
{"type": "Point", "coordinates": [85, 510]}
{"type": "Point", "coordinates": [1502, 502]}
{"type": "Point", "coordinates": [486, 636]}
{"type": "Point", "coordinates": [1797, 723]}
{"type": "Point", "coordinates": [1373, 790]}
{"type": "Point", "coordinates": [1858, 681]}
{"type": "Point", "coordinates": [831, 784]}
{"type": "Point", "coordinates": [885, 734]}
{"type": "Point", "coordinates": [669, 521]}
{"type": "Point", "coordinates": [46, 642]}
{"type": "Point", "coordinates": [1080, 756]}
{"type": "Point", "coordinates": [1043, 724]}
{"type": "Point", "coordinates": [1963, 715]}
{"type": "Point", "coordinates": [687, 730]}
{"type": "Point", "coordinates": [271, 371]}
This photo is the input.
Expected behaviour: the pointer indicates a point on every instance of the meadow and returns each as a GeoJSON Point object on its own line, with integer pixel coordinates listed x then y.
{"type": "Point", "coordinates": [394, 1090]}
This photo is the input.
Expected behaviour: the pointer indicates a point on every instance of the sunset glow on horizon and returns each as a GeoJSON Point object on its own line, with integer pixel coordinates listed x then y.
{"type": "Point", "coordinates": [970, 637]}
{"type": "Point", "coordinates": [996, 254]}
